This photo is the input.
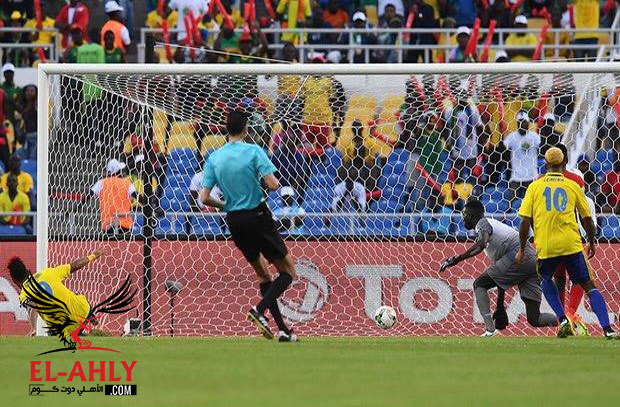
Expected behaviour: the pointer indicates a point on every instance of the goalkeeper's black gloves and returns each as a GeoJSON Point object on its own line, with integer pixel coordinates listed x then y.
{"type": "Point", "coordinates": [500, 317]}
{"type": "Point", "coordinates": [449, 262]}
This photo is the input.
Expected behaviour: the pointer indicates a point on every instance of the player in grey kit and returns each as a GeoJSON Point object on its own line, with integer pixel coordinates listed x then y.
{"type": "Point", "coordinates": [500, 243]}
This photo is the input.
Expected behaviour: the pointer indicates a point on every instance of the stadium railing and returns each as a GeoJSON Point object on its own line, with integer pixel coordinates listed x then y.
{"type": "Point", "coordinates": [18, 230]}
{"type": "Point", "coordinates": [400, 47]}
{"type": "Point", "coordinates": [55, 48]}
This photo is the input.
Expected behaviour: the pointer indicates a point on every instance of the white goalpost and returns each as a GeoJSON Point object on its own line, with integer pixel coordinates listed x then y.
{"type": "Point", "coordinates": [377, 161]}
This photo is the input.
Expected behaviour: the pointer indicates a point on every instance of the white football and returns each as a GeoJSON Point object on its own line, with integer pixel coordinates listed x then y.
{"type": "Point", "coordinates": [385, 317]}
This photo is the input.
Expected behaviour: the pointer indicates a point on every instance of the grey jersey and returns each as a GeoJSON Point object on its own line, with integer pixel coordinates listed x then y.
{"type": "Point", "coordinates": [497, 238]}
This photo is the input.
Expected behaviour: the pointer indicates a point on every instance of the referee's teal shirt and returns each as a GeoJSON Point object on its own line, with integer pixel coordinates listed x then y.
{"type": "Point", "coordinates": [237, 169]}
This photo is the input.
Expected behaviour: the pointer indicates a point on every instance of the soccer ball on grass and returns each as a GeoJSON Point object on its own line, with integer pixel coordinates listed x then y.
{"type": "Point", "coordinates": [385, 317]}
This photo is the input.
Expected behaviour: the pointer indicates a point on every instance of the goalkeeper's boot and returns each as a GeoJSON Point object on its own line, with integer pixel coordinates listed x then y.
{"type": "Point", "coordinates": [611, 335]}
{"type": "Point", "coordinates": [488, 334]}
{"type": "Point", "coordinates": [260, 321]}
{"type": "Point", "coordinates": [566, 328]}
{"type": "Point", "coordinates": [287, 337]}
{"type": "Point", "coordinates": [580, 328]}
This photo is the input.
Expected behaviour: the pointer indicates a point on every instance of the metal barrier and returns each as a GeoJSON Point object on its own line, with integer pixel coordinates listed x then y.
{"type": "Point", "coordinates": [304, 47]}
{"type": "Point", "coordinates": [30, 214]}
{"type": "Point", "coordinates": [55, 48]}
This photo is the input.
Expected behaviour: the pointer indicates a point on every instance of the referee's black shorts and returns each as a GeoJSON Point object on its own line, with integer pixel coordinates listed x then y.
{"type": "Point", "coordinates": [254, 232]}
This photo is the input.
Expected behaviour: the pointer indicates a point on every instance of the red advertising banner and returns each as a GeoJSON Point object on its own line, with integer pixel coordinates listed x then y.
{"type": "Point", "coordinates": [339, 286]}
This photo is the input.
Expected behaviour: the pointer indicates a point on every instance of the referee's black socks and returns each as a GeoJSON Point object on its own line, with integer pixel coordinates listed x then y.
{"type": "Point", "coordinates": [274, 309]}
{"type": "Point", "coordinates": [277, 287]}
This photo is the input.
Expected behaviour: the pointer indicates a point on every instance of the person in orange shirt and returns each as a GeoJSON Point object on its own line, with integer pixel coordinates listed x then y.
{"type": "Point", "coordinates": [334, 15]}
{"type": "Point", "coordinates": [115, 194]}
{"type": "Point", "coordinates": [115, 24]}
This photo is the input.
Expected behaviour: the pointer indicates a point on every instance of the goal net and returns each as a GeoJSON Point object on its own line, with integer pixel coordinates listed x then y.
{"type": "Point", "coordinates": [376, 163]}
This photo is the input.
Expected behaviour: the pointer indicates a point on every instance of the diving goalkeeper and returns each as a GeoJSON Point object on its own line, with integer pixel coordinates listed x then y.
{"type": "Point", "coordinates": [45, 293]}
{"type": "Point", "coordinates": [500, 243]}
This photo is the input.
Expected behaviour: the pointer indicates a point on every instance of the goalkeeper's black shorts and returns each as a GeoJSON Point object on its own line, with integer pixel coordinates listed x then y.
{"type": "Point", "coordinates": [254, 232]}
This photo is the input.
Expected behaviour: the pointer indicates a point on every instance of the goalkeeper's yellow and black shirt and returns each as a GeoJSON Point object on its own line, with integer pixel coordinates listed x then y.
{"type": "Point", "coordinates": [51, 280]}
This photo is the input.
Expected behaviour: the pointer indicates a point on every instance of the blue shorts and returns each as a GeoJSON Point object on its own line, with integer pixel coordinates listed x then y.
{"type": "Point", "coordinates": [576, 264]}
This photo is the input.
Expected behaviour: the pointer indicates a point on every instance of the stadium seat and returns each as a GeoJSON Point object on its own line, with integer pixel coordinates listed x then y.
{"type": "Point", "coordinates": [398, 155]}
{"type": "Point", "coordinates": [10, 230]}
{"type": "Point", "coordinates": [180, 181]}
{"type": "Point", "coordinates": [167, 226]}
{"type": "Point", "coordinates": [319, 194]}
{"type": "Point", "coordinates": [205, 225]}
{"type": "Point", "coordinates": [29, 166]}
{"type": "Point", "coordinates": [321, 180]}
{"type": "Point", "coordinates": [183, 161]}
{"type": "Point", "coordinates": [181, 136]}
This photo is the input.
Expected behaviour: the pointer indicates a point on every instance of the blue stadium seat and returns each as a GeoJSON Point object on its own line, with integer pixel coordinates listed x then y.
{"type": "Point", "coordinates": [311, 205]}
{"type": "Point", "coordinates": [319, 194]}
{"type": "Point", "coordinates": [10, 230]}
{"type": "Point", "coordinates": [166, 226]}
{"type": "Point", "coordinates": [183, 161]}
{"type": "Point", "coordinates": [398, 155]}
{"type": "Point", "coordinates": [610, 233]}
{"type": "Point", "coordinates": [173, 205]}
{"type": "Point", "coordinates": [386, 206]}
{"type": "Point", "coordinates": [321, 180]}
{"type": "Point", "coordinates": [29, 166]}
{"type": "Point", "coordinates": [178, 181]}
{"type": "Point", "coordinates": [206, 225]}
{"type": "Point", "coordinates": [138, 224]}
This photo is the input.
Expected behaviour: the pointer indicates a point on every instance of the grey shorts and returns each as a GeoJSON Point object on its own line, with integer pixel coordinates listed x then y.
{"type": "Point", "coordinates": [506, 273]}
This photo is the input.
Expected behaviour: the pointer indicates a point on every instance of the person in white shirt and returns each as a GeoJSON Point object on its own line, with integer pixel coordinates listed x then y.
{"type": "Point", "coordinates": [466, 123]}
{"type": "Point", "coordinates": [195, 186]}
{"type": "Point", "coordinates": [183, 7]}
{"type": "Point", "coordinates": [290, 217]}
{"type": "Point", "coordinates": [523, 145]}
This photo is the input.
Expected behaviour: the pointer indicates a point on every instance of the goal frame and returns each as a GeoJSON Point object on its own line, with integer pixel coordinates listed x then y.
{"type": "Point", "coordinates": [45, 70]}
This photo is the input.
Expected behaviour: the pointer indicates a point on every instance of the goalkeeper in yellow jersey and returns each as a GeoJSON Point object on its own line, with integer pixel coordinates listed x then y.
{"type": "Point", "coordinates": [62, 310]}
{"type": "Point", "coordinates": [549, 208]}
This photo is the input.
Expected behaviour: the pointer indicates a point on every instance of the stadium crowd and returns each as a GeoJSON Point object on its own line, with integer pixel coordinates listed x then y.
{"type": "Point", "coordinates": [457, 145]}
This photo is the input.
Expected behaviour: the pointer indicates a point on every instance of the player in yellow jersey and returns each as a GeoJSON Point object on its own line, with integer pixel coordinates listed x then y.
{"type": "Point", "coordinates": [549, 209]}
{"type": "Point", "coordinates": [51, 281]}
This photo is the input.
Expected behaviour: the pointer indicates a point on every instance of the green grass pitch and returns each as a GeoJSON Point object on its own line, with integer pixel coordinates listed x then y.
{"type": "Point", "coordinates": [427, 371]}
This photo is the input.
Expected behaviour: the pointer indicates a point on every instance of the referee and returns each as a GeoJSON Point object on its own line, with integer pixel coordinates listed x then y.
{"type": "Point", "coordinates": [237, 169]}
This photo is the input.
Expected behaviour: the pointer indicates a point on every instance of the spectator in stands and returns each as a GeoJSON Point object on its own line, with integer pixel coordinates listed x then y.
{"type": "Point", "coordinates": [389, 12]}
{"type": "Point", "coordinates": [610, 190]}
{"type": "Point", "coordinates": [13, 200]}
{"type": "Point", "coordinates": [5, 147]}
{"type": "Point", "coordinates": [586, 14]}
{"type": "Point", "coordinates": [28, 126]}
{"type": "Point", "coordinates": [154, 20]}
{"type": "Point", "coordinates": [25, 183]}
{"type": "Point", "coordinates": [455, 193]}
{"type": "Point", "coordinates": [359, 54]}
{"type": "Point", "coordinates": [183, 8]}
{"type": "Point", "coordinates": [294, 17]}
{"type": "Point", "coordinates": [113, 54]}
{"type": "Point", "coordinates": [464, 126]}
{"type": "Point", "coordinates": [228, 41]}
{"type": "Point", "coordinates": [21, 57]}
{"type": "Point", "coordinates": [290, 216]}
{"type": "Point", "coordinates": [41, 37]}
{"type": "Point", "coordinates": [74, 14]}
{"type": "Point", "coordinates": [523, 145]}
{"type": "Point", "coordinates": [458, 54]}
{"type": "Point", "coordinates": [424, 18]}
{"type": "Point", "coordinates": [494, 10]}
{"type": "Point", "coordinates": [70, 54]}
{"type": "Point", "coordinates": [463, 11]}
{"type": "Point", "coordinates": [334, 15]}
{"type": "Point", "coordinates": [549, 137]}
{"type": "Point", "coordinates": [293, 166]}
{"type": "Point", "coordinates": [399, 8]}
{"type": "Point", "coordinates": [115, 24]}
{"type": "Point", "coordinates": [353, 174]}
{"type": "Point", "coordinates": [289, 103]}
{"type": "Point", "coordinates": [115, 193]}
{"type": "Point", "coordinates": [233, 12]}
{"type": "Point", "coordinates": [318, 114]}
{"type": "Point", "coordinates": [127, 14]}
{"type": "Point", "coordinates": [526, 40]}
{"type": "Point", "coordinates": [251, 47]}
{"type": "Point", "coordinates": [12, 94]}
{"type": "Point", "coordinates": [195, 186]}
{"type": "Point", "coordinates": [564, 95]}
{"type": "Point", "coordinates": [338, 100]}
{"type": "Point", "coordinates": [317, 38]}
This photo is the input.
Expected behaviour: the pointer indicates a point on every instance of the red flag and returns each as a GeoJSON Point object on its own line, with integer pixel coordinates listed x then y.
{"type": "Point", "coordinates": [253, 11]}
{"type": "Point", "coordinates": [160, 8]}
{"type": "Point", "coordinates": [300, 10]}
{"type": "Point", "coordinates": [515, 6]}
{"type": "Point", "coordinates": [164, 26]}
{"type": "Point", "coordinates": [485, 4]}
{"type": "Point", "coordinates": [542, 108]}
{"type": "Point", "coordinates": [500, 109]}
{"type": "Point", "coordinates": [487, 42]}
{"type": "Point", "coordinates": [409, 24]}
{"type": "Point", "coordinates": [541, 42]}
{"type": "Point", "coordinates": [38, 15]}
{"type": "Point", "coordinates": [189, 39]}
{"type": "Point", "coordinates": [227, 20]}
{"type": "Point", "coordinates": [473, 39]}
{"type": "Point", "coordinates": [41, 55]}
{"type": "Point", "coordinates": [609, 5]}
{"type": "Point", "coordinates": [269, 8]}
